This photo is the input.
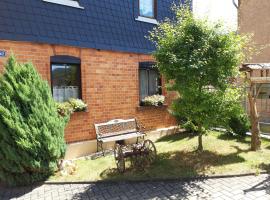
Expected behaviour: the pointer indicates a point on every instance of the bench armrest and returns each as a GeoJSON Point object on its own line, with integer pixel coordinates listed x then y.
{"type": "Point", "coordinates": [141, 127]}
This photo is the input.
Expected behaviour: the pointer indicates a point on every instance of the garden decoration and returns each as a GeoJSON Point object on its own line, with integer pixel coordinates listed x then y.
{"type": "Point", "coordinates": [118, 130]}
{"type": "Point", "coordinates": [141, 155]}
{"type": "Point", "coordinates": [256, 75]}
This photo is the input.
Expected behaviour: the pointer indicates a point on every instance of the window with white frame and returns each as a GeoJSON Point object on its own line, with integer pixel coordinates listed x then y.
{"type": "Point", "coordinates": [147, 8]}
{"type": "Point", "coordinates": [147, 11]}
{"type": "Point", "coordinates": [71, 3]}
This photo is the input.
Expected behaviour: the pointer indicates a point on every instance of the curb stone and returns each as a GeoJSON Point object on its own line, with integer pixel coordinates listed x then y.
{"type": "Point", "coordinates": [184, 179]}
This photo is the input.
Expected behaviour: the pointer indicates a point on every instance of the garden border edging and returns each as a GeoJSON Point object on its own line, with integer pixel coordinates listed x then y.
{"type": "Point", "coordinates": [157, 179]}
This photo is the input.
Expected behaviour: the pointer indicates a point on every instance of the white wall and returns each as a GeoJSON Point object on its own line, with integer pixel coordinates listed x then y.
{"type": "Point", "coordinates": [217, 10]}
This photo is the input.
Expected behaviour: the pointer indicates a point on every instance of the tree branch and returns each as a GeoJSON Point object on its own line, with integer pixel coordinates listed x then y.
{"type": "Point", "coordinates": [258, 92]}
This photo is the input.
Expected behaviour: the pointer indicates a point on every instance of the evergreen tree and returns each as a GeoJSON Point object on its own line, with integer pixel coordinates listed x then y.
{"type": "Point", "coordinates": [31, 131]}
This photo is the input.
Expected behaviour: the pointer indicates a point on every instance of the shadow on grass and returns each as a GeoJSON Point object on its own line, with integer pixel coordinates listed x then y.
{"type": "Point", "coordinates": [177, 137]}
{"type": "Point", "coordinates": [177, 164]}
{"type": "Point", "coordinates": [188, 135]}
{"type": "Point", "coordinates": [228, 137]}
{"type": "Point", "coordinates": [267, 147]}
{"type": "Point", "coordinates": [265, 167]}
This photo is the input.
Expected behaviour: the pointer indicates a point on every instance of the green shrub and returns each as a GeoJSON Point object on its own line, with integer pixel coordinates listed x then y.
{"type": "Point", "coordinates": [239, 124]}
{"type": "Point", "coordinates": [31, 130]}
{"type": "Point", "coordinates": [189, 126]}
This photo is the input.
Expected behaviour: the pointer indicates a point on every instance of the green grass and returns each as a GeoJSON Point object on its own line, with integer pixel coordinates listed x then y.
{"type": "Point", "coordinates": [177, 157]}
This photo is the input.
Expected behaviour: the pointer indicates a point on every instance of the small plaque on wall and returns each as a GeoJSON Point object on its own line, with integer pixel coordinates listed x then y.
{"type": "Point", "coordinates": [2, 53]}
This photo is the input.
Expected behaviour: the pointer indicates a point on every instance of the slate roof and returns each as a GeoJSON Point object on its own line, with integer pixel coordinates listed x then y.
{"type": "Point", "coordinates": [103, 24]}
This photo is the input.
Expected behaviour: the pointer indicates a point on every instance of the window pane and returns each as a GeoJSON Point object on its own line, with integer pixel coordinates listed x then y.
{"type": "Point", "coordinates": [150, 83]}
{"type": "Point", "coordinates": [58, 75]}
{"type": "Point", "coordinates": [72, 75]}
{"type": "Point", "coordinates": [147, 8]}
{"type": "Point", "coordinates": [65, 82]}
{"type": "Point", "coordinates": [153, 82]}
{"type": "Point", "coordinates": [143, 84]}
{"type": "Point", "coordinates": [72, 82]}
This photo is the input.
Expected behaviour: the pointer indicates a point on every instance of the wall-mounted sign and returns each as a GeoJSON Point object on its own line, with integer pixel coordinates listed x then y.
{"type": "Point", "coordinates": [2, 53]}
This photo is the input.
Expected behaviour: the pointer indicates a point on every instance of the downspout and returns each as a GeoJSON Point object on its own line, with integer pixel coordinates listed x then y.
{"type": "Point", "coordinates": [236, 4]}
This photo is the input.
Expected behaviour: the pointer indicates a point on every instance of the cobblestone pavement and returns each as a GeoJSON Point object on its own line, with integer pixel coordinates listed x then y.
{"type": "Point", "coordinates": [248, 187]}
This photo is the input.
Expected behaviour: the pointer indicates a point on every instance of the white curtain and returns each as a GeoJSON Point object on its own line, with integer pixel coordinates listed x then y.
{"type": "Point", "coordinates": [153, 82]}
{"type": "Point", "coordinates": [143, 84]}
{"type": "Point", "coordinates": [149, 81]}
{"type": "Point", "coordinates": [64, 93]}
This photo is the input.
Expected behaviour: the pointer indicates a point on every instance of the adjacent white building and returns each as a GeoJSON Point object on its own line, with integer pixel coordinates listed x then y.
{"type": "Point", "coordinates": [215, 10]}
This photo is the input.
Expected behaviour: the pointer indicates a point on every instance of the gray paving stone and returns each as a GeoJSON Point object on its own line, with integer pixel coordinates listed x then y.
{"type": "Point", "coordinates": [250, 187]}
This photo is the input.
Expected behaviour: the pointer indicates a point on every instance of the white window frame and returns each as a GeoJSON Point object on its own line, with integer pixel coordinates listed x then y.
{"type": "Point", "coordinates": [70, 3]}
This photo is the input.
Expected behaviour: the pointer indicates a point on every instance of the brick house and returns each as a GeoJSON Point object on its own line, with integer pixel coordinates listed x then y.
{"type": "Point", "coordinates": [253, 18]}
{"type": "Point", "coordinates": [95, 49]}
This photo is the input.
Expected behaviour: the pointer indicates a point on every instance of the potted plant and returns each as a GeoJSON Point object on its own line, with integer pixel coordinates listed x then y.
{"type": "Point", "coordinates": [70, 106]}
{"type": "Point", "coordinates": [78, 105]}
{"type": "Point", "coordinates": [154, 100]}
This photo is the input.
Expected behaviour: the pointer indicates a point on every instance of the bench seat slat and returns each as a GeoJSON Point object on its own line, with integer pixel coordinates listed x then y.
{"type": "Point", "coordinates": [110, 134]}
{"type": "Point", "coordinates": [121, 137]}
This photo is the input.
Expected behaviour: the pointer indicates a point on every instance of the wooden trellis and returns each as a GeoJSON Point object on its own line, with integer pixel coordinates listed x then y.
{"type": "Point", "coordinates": [256, 75]}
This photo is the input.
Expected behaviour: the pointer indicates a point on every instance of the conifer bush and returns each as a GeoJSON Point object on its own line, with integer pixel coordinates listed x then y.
{"type": "Point", "coordinates": [31, 130]}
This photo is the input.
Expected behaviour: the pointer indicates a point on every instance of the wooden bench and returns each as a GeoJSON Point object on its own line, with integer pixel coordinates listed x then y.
{"type": "Point", "coordinates": [118, 130]}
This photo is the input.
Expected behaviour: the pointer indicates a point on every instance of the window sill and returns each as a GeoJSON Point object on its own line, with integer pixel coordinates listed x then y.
{"type": "Point", "coordinates": [146, 20]}
{"type": "Point", "coordinates": [146, 107]}
{"type": "Point", "coordinates": [69, 3]}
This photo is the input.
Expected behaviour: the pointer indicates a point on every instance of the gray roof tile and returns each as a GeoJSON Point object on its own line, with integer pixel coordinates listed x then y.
{"type": "Point", "coordinates": [102, 24]}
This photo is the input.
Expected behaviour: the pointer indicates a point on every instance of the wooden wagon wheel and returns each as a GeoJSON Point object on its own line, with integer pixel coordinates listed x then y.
{"type": "Point", "coordinates": [119, 158]}
{"type": "Point", "coordinates": [150, 151]}
{"type": "Point", "coordinates": [138, 159]}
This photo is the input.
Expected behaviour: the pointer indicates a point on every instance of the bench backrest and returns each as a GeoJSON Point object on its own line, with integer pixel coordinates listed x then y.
{"type": "Point", "coordinates": [116, 127]}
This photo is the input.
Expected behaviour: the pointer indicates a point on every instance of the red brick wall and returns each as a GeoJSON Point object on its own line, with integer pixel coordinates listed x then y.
{"type": "Point", "coordinates": [110, 85]}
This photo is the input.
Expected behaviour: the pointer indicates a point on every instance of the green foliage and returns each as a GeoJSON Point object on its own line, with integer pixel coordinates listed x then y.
{"type": "Point", "coordinates": [240, 124]}
{"type": "Point", "coordinates": [72, 105]}
{"type": "Point", "coordinates": [64, 108]}
{"type": "Point", "coordinates": [32, 132]}
{"type": "Point", "coordinates": [199, 60]}
{"type": "Point", "coordinates": [190, 127]}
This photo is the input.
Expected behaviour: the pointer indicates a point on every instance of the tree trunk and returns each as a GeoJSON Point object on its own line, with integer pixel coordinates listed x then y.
{"type": "Point", "coordinates": [255, 132]}
{"type": "Point", "coordinates": [200, 146]}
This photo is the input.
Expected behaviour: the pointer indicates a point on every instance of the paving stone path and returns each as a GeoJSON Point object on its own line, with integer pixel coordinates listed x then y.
{"type": "Point", "coordinates": [247, 187]}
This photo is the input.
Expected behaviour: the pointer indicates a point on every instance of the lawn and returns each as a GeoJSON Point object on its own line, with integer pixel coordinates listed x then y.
{"type": "Point", "coordinates": [177, 157]}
